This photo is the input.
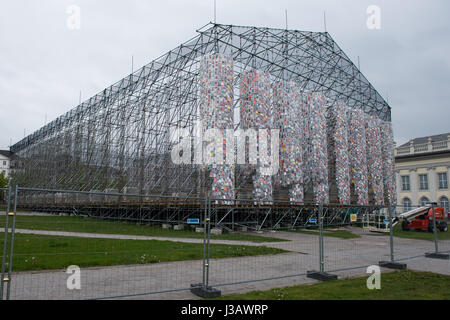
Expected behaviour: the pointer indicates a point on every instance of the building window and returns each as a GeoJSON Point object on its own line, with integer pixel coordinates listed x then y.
{"type": "Point", "coordinates": [406, 186]}
{"type": "Point", "coordinates": [423, 181]}
{"type": "Point", "coordinates": [406, 205]}
{"type": "Point", "coordinates": [4, 163]}
{"type": "Point", "coordinates": [443, 180]}
{"type": "Point", "coordinates": [443, 202]}
{"type": "Point", "coordinates": [424, 201]}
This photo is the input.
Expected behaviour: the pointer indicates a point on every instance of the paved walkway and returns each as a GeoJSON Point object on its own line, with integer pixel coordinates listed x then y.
{"type": "Point", "coordinates": [31, 213]}
{"type": "Point", "coordinates": [134, 237]}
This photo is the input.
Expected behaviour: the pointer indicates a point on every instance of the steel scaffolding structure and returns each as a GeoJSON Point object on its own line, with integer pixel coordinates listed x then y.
{"type": "Point", "coordinates": [120, 140]}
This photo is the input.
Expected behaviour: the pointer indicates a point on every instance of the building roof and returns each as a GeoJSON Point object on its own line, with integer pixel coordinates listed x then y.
{"type": "Point", "coordinates": [6, 153]}
{"type": "Point", "coordinates": [424, 140]}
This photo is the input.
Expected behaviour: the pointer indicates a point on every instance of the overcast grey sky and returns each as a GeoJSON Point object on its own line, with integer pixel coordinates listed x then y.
{"type": "Point", "coordinates": [44, 64]}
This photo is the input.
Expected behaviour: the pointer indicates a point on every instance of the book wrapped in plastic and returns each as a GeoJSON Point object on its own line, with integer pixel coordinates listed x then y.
{"type": "Point", "coordinates": [339, 119]}
{"type": "Point", "coordinates": [375, 160]}
{"type": "Point", "coordinates": [255, 113]}
{"type": "Point", "coordinates": [388, 146]}
{"type": "Point", "coordinates": [216, 111]}
{"type": "Point", "coordinates": [288, 101]}
{"type": "Point", "coordinates": [358, 155]}
{"type": "Point", "coordinates": [318, 164]}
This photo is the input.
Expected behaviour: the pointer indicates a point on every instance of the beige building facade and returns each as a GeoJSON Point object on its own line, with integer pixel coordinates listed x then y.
{"type": "Point", "coordinates": [5, 162]}
{"type": "Point", "coordinates": [423, 171]}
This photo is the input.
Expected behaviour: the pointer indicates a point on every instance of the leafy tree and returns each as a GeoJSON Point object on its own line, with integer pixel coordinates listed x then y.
{"type": "Point", "coordinates": [3, 184]}
{"type": "Point", "coordinates": [3, 181]}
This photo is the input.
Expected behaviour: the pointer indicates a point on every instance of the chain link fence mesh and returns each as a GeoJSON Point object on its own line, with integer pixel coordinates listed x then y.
{"type": "Point", "coordinates": [129, 245]}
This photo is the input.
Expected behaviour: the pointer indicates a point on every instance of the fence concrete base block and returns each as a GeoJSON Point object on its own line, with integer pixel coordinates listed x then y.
{"type": "Point", "coordinates": [216, 231]}
{"type": "Point", "coordinates": [178, 227]}
{"type": "Point", "coordinates": [392, 265]}
{"type": "Point", "coordinates": [166, 226]}
{"type": "Point", "coordinates": [321, 276]}
{"type": "Point", "coordinates": [199, 230]}
{"type": "Point", "coordinates": [205, 292]}
{"type": "Point", "coordinates": [437, 255]}
{"type": "Point", "coordinates": [243, 229]}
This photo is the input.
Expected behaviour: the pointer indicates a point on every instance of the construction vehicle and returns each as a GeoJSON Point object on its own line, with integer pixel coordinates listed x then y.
{"type": "Point", "coordinates": [422, 219]}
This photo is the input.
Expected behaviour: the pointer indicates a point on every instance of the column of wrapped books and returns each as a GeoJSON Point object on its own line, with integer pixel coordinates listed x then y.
{"type": "Point", "coordinates": [216, 111]}
{"type": "Point", "coordinates": [358, 156]}
{"type": "Point", "coordinates": [289, 120]}
{"type": "Point", "coordinates": [256, 114]}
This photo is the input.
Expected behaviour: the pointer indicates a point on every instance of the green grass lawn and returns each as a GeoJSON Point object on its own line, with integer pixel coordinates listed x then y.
{"type": "Point", "coordinates": [36, 252]}
{"type": "Point", "coordinates": [90, 225]}
{"type": "Point", "coordinates": [343, 234]}
{"type": "Point", "coordinates": [401, 285]}
{"type": "Point", "coordinates": [420, 235]}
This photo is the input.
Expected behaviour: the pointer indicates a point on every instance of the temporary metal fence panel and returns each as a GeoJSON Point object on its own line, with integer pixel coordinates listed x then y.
{"type": "Point", "coordinates": [282, 254]}
{"type": "Point", "coordinates": [7, 224]}
{"type": "Point", "coordinates": [110, 247]}
{"type": "Point", "coordinates": [356, 247]}
{"type": "Point", "coordinates": [411, 242]}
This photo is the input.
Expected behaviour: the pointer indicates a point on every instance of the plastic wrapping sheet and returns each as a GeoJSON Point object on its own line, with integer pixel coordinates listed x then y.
{"type": "Point", "coordinates": [289, 119]}
{"type": "Point", "coordinates": [358, 155]}
{"type": "Point", "coordinates": [339, 120]}
{"type": "Point", "coordinates": [318, 164]}
{"type": "Point", "coordinates": [388, 147]}
{"type": "Point", "coordinates": [256, 107]}
{"type": "Point", "coordinates": [216, 112]}
{"type": "Point", "coordinates": [374, 159]}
